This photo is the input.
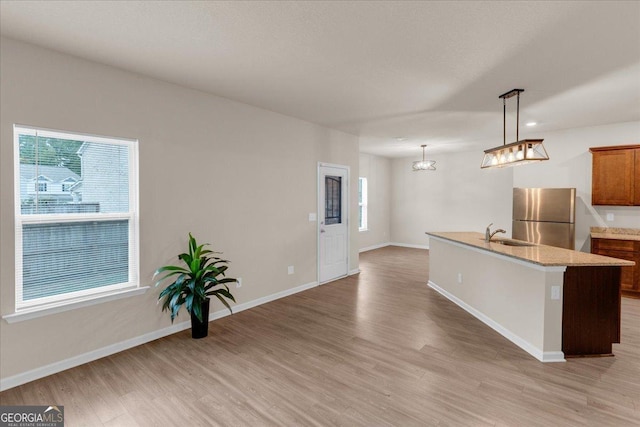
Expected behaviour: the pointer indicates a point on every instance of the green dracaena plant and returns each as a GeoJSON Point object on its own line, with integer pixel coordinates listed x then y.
{"type": "Point", "coordinates": [201, 276]}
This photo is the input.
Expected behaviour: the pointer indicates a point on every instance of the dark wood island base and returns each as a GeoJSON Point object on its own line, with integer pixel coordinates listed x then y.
{"type": "Point", "coordinates": [591, 311]}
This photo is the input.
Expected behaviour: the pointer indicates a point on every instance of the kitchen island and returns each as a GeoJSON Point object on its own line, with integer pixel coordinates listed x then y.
{"type": "Point", "coordinates": [551, 302]}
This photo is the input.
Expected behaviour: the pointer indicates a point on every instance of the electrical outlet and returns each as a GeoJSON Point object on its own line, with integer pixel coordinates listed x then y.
{"type": "Point", "coordinates": [290, 269]}
{"type": "Point", "coordinates": [239, 282]}
{"type": "Point", "coordinates": [555, 292]}
{"type": "Point", "coordinates": [459, 277]}
{"type": "Point", "coordinates": [610, 217]}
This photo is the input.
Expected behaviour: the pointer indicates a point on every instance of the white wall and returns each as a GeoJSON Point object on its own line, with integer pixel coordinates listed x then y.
{"type": "Point", "coordinates": [377, 170]}
{"type": "Point", "coordinates": [458, 196]}
{"type": "Point", "coordinates": [569, 165]}
{"type": "Point", "coordinates": [239, 177]}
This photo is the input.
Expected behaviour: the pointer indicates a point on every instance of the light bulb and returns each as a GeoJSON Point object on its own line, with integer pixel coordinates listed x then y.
{"type": "Point", "coordinates": [503, 158]}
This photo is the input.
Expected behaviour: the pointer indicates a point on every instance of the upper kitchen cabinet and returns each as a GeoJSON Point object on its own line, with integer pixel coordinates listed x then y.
{"type": "Point", "coordinates": [616, 175]}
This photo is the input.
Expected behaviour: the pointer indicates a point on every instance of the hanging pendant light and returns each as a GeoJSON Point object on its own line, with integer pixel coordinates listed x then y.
{"type": "Point", "coordinates": [424, 165]}
{"type": "Point", "coordinates": [516, 153]}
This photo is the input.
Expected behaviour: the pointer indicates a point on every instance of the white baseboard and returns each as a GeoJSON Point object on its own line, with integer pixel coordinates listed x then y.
{"type": "Point", "coordinates": [549, 356]}
{"type": "Point", "coordinates": [53, 368]}
{"type": "Point", "coordinates": [553, 356]}
{"type": "Point", "coordinates": [259, 301]}
{"type": "Point", "coordinates": [370, 248]}
{"type": "Point", "coordinates": [352, 272]}
{"type": "Point", "coordinates": [406, 245]}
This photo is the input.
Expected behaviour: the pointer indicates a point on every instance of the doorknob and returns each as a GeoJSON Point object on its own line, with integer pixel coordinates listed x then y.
{"type": "Point", "coordinates": [322, 230]}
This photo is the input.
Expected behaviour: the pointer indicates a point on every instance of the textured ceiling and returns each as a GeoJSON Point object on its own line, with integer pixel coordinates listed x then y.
{"type": "Point", "coordinates": [429, 72]}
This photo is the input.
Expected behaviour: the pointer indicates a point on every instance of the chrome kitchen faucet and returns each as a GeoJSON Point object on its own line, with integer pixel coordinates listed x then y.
{"type": "Point", "coordinates": [488, 234]}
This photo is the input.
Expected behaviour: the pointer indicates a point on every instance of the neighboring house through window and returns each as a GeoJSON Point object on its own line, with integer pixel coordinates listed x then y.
{"type": "Point", "coordinates": [40, 182]}
{"type": "Point", "coordinates": [68, 184]}
{"type": "Point", "coordinates": [76, 230]}
{"type": "Point", "coordinates": [362, 204]}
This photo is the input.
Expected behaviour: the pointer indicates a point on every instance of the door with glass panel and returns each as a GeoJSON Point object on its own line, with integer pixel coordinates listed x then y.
{"type": "Point", "coordinates": [333, 230]}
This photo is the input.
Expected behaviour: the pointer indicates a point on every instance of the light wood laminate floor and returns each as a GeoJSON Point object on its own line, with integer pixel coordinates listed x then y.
{"type": "Point", "coordinates": [377, 349]}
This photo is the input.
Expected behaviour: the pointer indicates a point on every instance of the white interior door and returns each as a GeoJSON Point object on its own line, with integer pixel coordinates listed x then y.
{"type": "Point", "coordinates": [333, 227]}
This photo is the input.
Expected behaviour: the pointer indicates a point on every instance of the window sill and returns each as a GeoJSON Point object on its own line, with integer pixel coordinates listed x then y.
{"type": "Point", "coordinates": [33, 313]}
{"type": "Point", "coordinates": [363, 229]}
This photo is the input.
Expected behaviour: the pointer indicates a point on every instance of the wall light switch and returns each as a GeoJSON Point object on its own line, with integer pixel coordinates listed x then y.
{"type": "Point", "coordinates": [555, 292]}
{"type": "Point", "coordinates": [290, 269]}
{"type": "Point", "coordinates": [313, 217]}
{"type": "Point", "coordinates": [459, 277]}
{"type": "Point", "coordinates": [610, 217]}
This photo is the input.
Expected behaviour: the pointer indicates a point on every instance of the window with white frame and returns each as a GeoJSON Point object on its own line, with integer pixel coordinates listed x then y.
{"type": "Point", "coordinates": [362, 204]}
{"type": "Point", "coordinates": [74, 248]}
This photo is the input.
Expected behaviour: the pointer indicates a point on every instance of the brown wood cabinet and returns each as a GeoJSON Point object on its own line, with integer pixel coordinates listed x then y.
{"type": "Point", "coordinates": [616, 175]}
{"type": "Point", "coordinates": [623, 249]}
{"type": "Point", "coordinates": [636, 178]}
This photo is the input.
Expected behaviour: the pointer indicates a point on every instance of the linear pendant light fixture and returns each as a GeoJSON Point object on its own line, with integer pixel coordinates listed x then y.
{"type": "Point", "coordinates": [424, 165]}
{"type": "Point", "coordinates": [515, 153]}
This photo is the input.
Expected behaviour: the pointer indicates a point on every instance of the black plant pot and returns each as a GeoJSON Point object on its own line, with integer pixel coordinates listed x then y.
{"type": "Point", "coordinates": [201, 329]}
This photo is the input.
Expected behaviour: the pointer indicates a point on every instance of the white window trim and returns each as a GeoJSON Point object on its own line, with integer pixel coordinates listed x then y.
{"type": "Point", "coordinates": [55, 304]}
{"type": "Point", "coordinates": [33, 313]}
{"type": "Point", "coordinates": [364, 204]}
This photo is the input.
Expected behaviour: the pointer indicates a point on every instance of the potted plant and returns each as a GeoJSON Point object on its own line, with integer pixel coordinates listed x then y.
{"type": "Point", "coordinates": [193, 284]}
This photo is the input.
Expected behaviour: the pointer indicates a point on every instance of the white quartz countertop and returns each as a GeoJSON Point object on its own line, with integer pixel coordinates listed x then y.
{"type": "Point", "coordinates": [537, 254]}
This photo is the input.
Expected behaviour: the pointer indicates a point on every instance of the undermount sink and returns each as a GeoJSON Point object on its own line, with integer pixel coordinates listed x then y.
{"type": "Point", "coordinates": [508, 242]}
{"type": "Point", "coordinates": [511, 242]}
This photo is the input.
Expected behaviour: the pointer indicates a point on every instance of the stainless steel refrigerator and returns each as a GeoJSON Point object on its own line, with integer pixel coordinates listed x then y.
{"type": "Point", "coordinates": [545, 215]}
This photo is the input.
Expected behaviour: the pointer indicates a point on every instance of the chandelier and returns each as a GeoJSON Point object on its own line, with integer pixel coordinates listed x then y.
{"type": "Point", "coordinates": [515, 153]}
{"type": "Point", "coordinates": [424, 165]}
